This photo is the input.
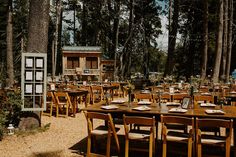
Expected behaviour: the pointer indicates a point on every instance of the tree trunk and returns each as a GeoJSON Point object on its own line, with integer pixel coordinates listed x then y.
{"type": "Point", "coordinates": [10, 67]}
{"type": "Point", "coordinates": [173, 28]}
{"type": "Point", "coordinates": [216, 71]}
{"type": "Point", "coordinates": [225, 41]}
{"type": "Point", "coordinates": [37, 41]}
{"type": "Point", "coordinates": [84, 24]}
{"type": "Point", "coordinates": [38, 26]}
{"type": "Point", "coordinates": [230, 34]}
{"type": "Point", "coordinates": [58, 19]}
{"type": "Point", "coordinates": [205, 40]}
{"type": "Point", "coordinates": [115, 38]}
{"type": "Point", "coordinates": [125, 58]}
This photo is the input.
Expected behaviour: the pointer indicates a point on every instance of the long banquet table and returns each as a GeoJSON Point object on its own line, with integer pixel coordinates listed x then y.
{"type": "Point", "coordinates": [159, 109]}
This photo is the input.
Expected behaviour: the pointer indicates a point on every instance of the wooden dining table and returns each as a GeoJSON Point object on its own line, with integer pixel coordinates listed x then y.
{"type": "Point", "coordinates": [162, 109]}
{"type": "Point", "coordinates": [74, 94]}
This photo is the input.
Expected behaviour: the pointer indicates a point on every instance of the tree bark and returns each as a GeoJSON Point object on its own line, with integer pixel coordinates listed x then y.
{"type": "Point", "coordinates": [125, 58]}
{"type": "Point", "coordinates": [10, 67]}
{"type": "Point", "coordinates": [173, 28]}
{"type": "Point", "coordinates": [216, 70]}
{"type": "Point", "coordinates": [225, 40]}
{"type": "Point", "coordinates": [58, 19]}
{"type": "Point", "coordinates": [205, 41]}
{"type": "Point", "coordinates": [115, 38]}
{"type": "Point", "coordinates": [230, 34]}
{"type": "Point", "coordinates": [38, 26]}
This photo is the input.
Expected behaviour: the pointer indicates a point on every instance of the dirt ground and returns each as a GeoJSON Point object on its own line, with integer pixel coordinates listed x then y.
{"type": "Point", "coordinates": [62, 139]}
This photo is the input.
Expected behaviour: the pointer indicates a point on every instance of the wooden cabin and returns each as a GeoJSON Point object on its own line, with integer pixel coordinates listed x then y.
{"type": "Point", "coordinates": [86, 63]}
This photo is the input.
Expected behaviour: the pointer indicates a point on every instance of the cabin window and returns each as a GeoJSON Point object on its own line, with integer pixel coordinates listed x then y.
{"type": "Point", "coordinates": [91, 63]}
{"type": "Point", "coordinates": [72, 62]}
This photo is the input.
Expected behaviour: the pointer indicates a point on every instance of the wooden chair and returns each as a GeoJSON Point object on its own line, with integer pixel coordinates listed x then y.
{"type": "Point", "coordinates": [139, 135]}
{"type": "Point", "coordinates": [103, 130]}
{"type": "Point", "coordinates": [206, 99]}
{"type": "Point", "coordinates": [97, 93]}
{"type": "Point", "coordinates": [50, 103]}
{"type": "Point", "coordinates": [179, 97]}
{"type": "Point", "coordinates": [117, 90]}
{"type": "Point", "coordinates": [63, 103]}
{"type": "Point", "coordinates": [143, 96]}
{"type": "Point", "coordinates": [156, 98]}
{"type": "Point", "coordinates": [203, 98]}
{"type": "Point", "coordinates": [89, 95]}
{"type": "Point", "coordinates": [213, 140]}
{"type": "Point", "coordinates": [203, 89]}
{"type": "Point", "coordinates": [175, 136]}
{"type": "Point", "coordinates": [165, 97]}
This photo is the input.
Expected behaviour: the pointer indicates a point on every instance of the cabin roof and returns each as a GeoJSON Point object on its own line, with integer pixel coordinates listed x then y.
{"type": "Point", "coordinates": [82, 49]}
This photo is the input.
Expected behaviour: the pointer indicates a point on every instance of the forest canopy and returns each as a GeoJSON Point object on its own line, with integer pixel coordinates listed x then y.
{"type": "Point", "coordinates": [200, 35]}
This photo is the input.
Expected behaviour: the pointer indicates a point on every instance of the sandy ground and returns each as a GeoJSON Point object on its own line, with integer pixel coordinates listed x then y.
{"type": "Point", "coordinates": [58, 141]}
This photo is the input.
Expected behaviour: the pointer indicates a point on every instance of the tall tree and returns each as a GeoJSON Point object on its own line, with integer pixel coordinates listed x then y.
{"type": "Point", "coordinates": [10, 68]}
{"type": "Point", "coordinates": [115, 37]}
{"type": "Point", "coordinates": [205, 41]}
{"type": "Point", "coordinates": [216, 70]}
{"type": "Point", "coordinates": [38, 26]}
{"type": "Point", "coordinates": [230, 34]}
{"type": "Point", "coordinates": [56, 41]}
{"type": "Point", "coordinates": [225, 40]}
{"type": "Point", "coordinates": [125, 58]}
{"type": "Point", "coordinates": [173, 28]}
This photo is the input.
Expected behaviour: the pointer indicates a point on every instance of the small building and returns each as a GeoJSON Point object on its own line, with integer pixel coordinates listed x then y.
{"type": "Point", "coordinates": [86, 63]}
{"type": "Point", "coordinates": [107, 71]}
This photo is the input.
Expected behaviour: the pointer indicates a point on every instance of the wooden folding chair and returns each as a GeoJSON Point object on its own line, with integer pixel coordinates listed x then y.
{"type": "Point", "coordinates": [63, 103]}
{"type": "Point", "coordinates": [139, 135]}
{"type": "Point", "coordinates": [50, 103]}
{"type": "Point", "coordinates": [97, 93]}
{"type": "Point", "coordinates": [178, 97]}
{"type": "Point", "coordinates": [89, 95]}
{"type": "Point", "coordinates": [213, 140]}
{"type": "Point", "coordinates": [117, 90]}
{"type": "Point", "coordinates": [143, 96]}
{"type": "Point", "coordinates": [203, 98]}
{"type": "Point", "coordinates": [206, 99]}
{"type": "Point", "coordinates": [102, 130]}
{"type": "Point", "coordinates": [176, 136]}
{"type": "Point", "coordinates": [165, 97]}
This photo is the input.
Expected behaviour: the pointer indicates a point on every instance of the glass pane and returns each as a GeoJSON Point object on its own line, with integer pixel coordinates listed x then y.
{"type": "Point", "coordinates": [88, 64]}
{"type": "Point", "coordinates": [94, 64]}
{"type": "Point", "coordinates": [69, 64]}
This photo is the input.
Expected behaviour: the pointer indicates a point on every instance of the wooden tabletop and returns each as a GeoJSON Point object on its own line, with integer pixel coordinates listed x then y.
{"type": "Point", "coordinates": [155, 109]}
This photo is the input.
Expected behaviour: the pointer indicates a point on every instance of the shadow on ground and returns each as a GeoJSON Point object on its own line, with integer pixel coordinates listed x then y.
{"type": "Point", "coordinates": [48, 154]}
{"type": "Point", "coordinates": [173, 150]}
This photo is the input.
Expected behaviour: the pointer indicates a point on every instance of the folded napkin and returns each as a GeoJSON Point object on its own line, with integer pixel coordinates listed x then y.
{"type": "Point", "coordinates": [178, 110]}
{"type": "Point", "coordinates": [142, 108]}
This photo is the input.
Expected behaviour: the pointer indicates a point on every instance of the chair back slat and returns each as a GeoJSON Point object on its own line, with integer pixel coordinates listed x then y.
{"type": "Point", "coordinates": [177, 120]}
{"type": "Point", "coordinates": [202, 123]}
{"type": "Point", "coordinates": [139, 120]}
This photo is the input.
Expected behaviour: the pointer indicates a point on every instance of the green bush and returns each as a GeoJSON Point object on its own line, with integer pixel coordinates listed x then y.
{"type": "Point", "coordinates": [10, 109]}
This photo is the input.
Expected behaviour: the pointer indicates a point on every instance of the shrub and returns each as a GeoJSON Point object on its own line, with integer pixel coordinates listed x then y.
{"type": "Point", "coordinates": [10, 109]}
